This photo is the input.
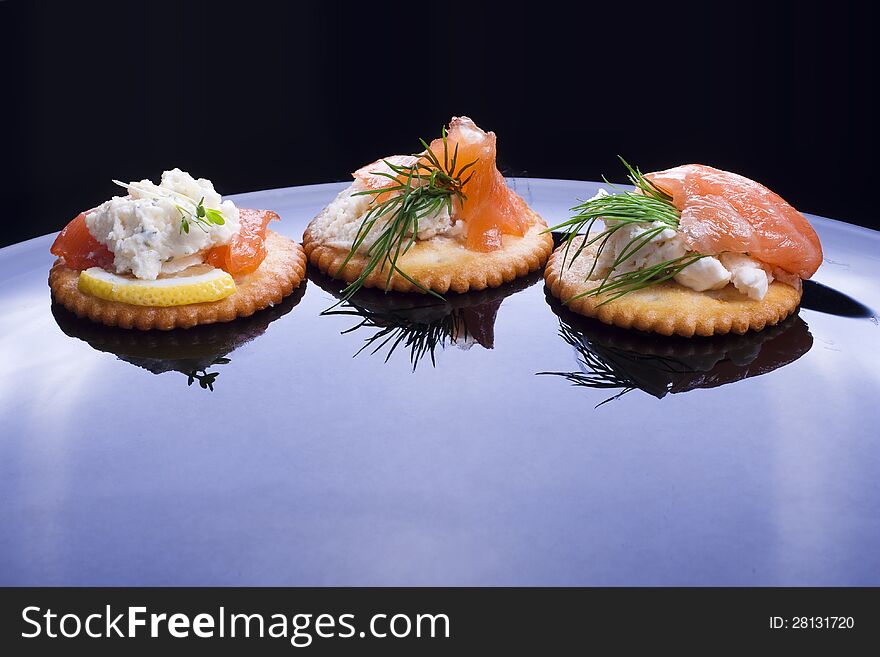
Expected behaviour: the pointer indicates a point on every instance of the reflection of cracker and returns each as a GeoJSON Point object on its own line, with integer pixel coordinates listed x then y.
{"type": "Point", "coordinates": [278, 275]}
{"type": "Point", "coordinates": [669, 308]}
{"type": "Point", "coordinates": [441, 263]}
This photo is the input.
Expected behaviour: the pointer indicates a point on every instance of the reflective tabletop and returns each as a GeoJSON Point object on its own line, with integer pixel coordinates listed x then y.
{"type": "Point", "coordinates": [491, 439]}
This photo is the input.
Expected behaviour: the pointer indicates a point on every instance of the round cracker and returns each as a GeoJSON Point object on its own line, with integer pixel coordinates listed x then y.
{"type": "Point", "coordinates": [668, 308]}
{"type": "Point", "coordinates": [440, 264]}
{"type": "Point", "coordinates": [279, 274]}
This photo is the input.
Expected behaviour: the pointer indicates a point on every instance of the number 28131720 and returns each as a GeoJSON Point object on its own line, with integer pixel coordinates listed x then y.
{"type": "Point", "coordinates": [812, 623]}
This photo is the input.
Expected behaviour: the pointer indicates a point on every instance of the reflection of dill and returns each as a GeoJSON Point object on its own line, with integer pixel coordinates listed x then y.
{"type": "Point", "coordinates": [206, 379]}
{"type": "Point", "coordinates": [421, 338]}
{"type": "Point", "coordinates": [612, 368]}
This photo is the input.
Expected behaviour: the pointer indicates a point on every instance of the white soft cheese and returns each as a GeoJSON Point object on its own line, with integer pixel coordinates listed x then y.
{"type": "Point", "coordinates": [338, 224]}
{"type": "Point", "coordinates": [707, 273]}
{"type": "Point", "coordinates": [747, 275]}
{"type": "Point", "coordinates": [665, 245]}
{"type": "Point", "coordinates": [143, 230]}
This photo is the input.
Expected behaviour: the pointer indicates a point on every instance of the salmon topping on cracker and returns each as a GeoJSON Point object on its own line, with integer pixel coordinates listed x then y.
{"type": "Point", "coordinates": [692, 251]}
{"type": "Point", "coordinates": [172, 255]}
{"type": "Point", "coordinates": [704, 228]}
{"type": "Point", "coordinates": [447, 199]}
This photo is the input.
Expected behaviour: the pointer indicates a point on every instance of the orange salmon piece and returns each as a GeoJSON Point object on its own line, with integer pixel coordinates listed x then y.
{"type": "Point", "coordinates": [372, 175]}
{"type": "Point", "coordinates": [246, 250]}
{"type": "Point", "coordinates": [78, 248]}
{"type": "Point", "coordinates": [723, 211]}
{"type": "Point", "coordinates": [492, 209]}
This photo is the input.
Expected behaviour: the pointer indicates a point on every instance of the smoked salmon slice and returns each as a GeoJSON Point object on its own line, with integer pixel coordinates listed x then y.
{"type": "Point", "coordinates": [375, 175]}
{"type": "Point", "coordinates": [492, 209]}
{"type": "Point", "coordinates": [247, 249]}
{"type": "Point", "coordinates": [723, 211]}
{"type": "Point", "coordinates": [78, 248]}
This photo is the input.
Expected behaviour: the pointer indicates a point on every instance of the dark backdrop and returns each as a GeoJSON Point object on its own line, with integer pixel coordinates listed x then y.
{"type": "Point", "coordinates": [258, 95]}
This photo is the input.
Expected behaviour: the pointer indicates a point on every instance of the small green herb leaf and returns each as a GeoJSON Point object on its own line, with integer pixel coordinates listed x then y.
{"type": "Point", "coordinates": [215, 217]}
{"type": "Point", "coordinates": [203, 217]}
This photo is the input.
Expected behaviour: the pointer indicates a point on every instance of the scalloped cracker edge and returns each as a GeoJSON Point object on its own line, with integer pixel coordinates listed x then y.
{"type": "Point", "coordinates": [668, 308]}
{"type": "Point", "coordinates": [441, 264]}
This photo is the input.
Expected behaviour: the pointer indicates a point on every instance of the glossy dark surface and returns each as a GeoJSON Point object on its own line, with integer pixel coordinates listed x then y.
{"type": "Point", "coordinates": [748, 460]}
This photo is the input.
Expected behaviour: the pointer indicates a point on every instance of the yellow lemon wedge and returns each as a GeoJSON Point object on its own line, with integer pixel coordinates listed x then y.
{"type": "Point", "coordinates": [212, 285]}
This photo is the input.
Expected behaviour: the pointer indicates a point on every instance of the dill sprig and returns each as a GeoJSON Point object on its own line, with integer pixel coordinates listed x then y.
{"type": "Point", "coordinates": [644, 206]}
{"type": "Point", "coordinates": [619, 284]}
{"type": "Point", "coordinates": [415, 192]}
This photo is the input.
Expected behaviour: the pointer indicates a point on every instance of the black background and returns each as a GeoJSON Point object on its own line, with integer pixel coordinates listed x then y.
{"type": "Point", "coordinates": [257, 95]}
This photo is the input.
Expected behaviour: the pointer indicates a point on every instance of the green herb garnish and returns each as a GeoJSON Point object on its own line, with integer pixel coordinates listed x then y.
{"type": "Point", "coordinates": [201, 216]}
{"type": "Point", "coordinates": [646, 205]}
{"type": "Point", "coordinates": [415, 192]}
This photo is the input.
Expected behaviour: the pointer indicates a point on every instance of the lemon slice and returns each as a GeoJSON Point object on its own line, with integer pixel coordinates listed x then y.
{"type": "Point", "coordinates": [213, 285]}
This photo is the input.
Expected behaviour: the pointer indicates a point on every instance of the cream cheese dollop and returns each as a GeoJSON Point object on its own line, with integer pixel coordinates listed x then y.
{"type": "Point", "coordinates": [337, 225]}
{"type": "Point", "coordinates": [747, 274]}
{"type": "Point", "coordinates": [143, 229]}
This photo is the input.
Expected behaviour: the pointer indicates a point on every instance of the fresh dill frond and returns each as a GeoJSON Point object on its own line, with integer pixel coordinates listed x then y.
{"type": "Point", "coordinates": [647, 187]}
{"type": "Point", "coordinates": [415, 192]}
{"type": "Point", "coordinates": [625, 282]}
{"type": "Point", "coordinates": [646, 205]}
